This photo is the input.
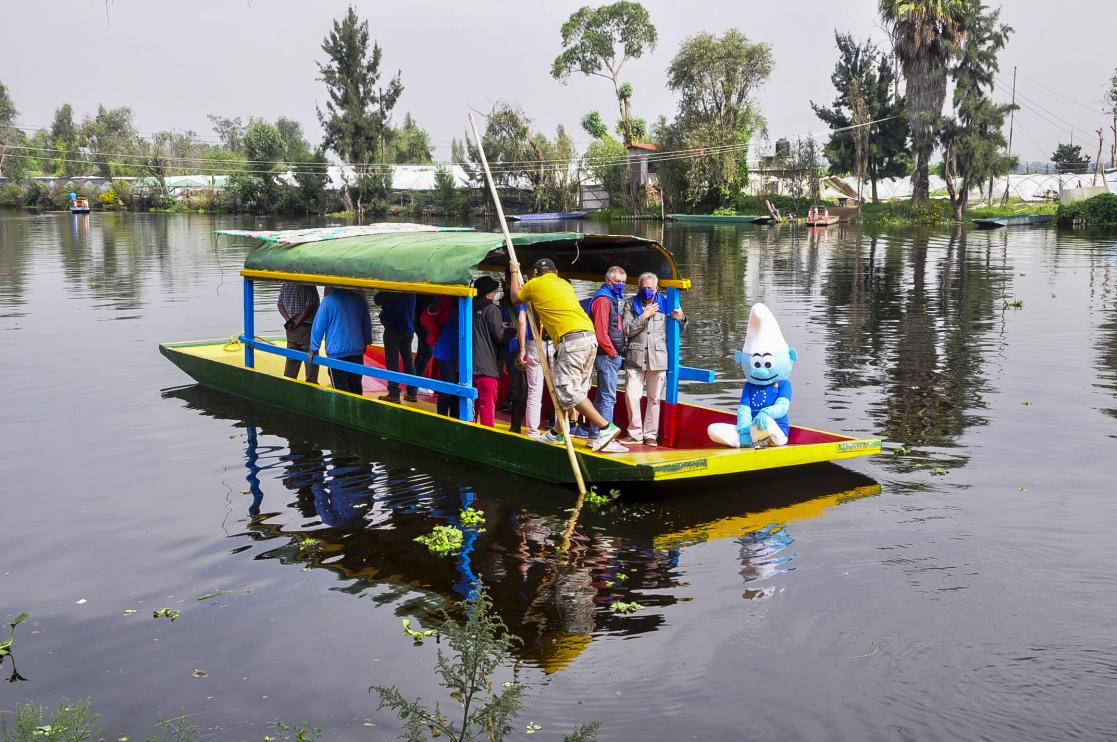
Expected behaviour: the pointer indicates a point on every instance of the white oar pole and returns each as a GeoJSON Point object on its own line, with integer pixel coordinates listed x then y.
{"type": "Point", "coordinates": [560, 413]}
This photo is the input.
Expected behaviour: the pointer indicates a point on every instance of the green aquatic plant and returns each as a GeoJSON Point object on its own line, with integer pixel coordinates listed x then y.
{"type": "Point", "coordinates": [479, 647]}
{"type": "Point", "coordinates": [417, 636]}
{"type": "Point", "coordinates": [70, 722]}
{"type": "Point", "coordinates": [626, 608]}
{"type": "Point", "coordinates": [309, 543]}
{"type": "Point", "coordinates": [472, 518]}
{"type": "Point", "coordinates": [901, 451]}
{"type": "Point", "coordinates": [596, 500]}
{"type": "Point", "coordinates": [442, 541]}
{"type": "Point", "coordinates": [6, 646]}
{"type": "Point", "coordinates": [170, 613]}
{"type": "Point", "coordinates": [938, 471]}
{"type": "Point", "coordinates": [302, 732]}
{"type": "Point", "coordinates": [1013, 304]}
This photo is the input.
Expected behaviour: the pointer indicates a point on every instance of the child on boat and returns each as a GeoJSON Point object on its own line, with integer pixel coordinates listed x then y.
{"type": "Point", "coordinates": [766, 398]}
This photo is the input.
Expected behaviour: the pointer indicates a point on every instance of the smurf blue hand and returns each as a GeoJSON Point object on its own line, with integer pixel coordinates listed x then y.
{"type": "Point", "coordinates": [761, 421]}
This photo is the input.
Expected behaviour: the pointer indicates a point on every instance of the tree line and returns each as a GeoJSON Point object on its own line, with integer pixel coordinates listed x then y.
{"type": "Point", "coordinates": [699, 153]}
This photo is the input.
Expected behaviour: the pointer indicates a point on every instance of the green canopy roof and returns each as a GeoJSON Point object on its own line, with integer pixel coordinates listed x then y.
{"type": "Point", "coordinates": [452, 258]}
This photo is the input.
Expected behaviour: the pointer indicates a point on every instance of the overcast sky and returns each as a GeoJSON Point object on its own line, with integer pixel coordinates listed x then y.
{"type": "Point", "coordinates": [174, 61]}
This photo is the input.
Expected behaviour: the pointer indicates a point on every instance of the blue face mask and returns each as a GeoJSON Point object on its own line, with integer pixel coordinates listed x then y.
{"type": "Point", "coordinates": [618, 290]}
{"type": "Point", "coordinates": [647, 294]}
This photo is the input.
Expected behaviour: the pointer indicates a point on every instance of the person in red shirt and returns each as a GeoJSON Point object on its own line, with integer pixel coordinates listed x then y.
{"type": "Point", "coordinates": [606, 312]}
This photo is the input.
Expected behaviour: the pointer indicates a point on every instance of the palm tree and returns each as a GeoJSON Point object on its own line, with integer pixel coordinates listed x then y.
{"type": "Point", "coordinates": [925, 35]}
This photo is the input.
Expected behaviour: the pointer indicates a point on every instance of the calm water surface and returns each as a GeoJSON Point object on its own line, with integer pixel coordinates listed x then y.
{"type": "Point", "coordinates": [966, 590]}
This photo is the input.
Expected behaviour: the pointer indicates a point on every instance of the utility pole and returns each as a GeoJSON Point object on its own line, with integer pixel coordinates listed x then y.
{"type": "Point", "coordinates": [1011, 121]}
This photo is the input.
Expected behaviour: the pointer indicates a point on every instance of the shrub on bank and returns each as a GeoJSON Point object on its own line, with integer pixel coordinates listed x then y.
{"type": "Point", "coordinates": [1097, 211]}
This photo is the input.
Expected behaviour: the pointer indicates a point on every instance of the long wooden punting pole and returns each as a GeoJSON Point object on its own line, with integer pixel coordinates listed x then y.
{"type": "Point", "coordinates": [560, 413]}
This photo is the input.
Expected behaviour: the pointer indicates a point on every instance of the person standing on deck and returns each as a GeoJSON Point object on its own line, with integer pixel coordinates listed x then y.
{"type": "Point", "coordinates": [489, 337]}
{"type": "Point", "coordinates": [441, 321]}
{"type": "Point", "coordinates": [298, 303]}
{"type": "Point", "coordinates": [397, 314]}
{"type": "Point", "coordinates": [645, 363]}
{"type": "Point", "coordinates": [423, 352]}
{"type": "Point", "coordinates": [606, 311]}
{"type": "Point", "coordinates": [566, 322]}
{"type": "Point", "coordinates": [344, 323]}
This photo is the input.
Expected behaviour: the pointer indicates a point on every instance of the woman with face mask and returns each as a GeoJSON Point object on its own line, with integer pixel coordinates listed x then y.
{"type": "Point", "coordinates": [645, 326]}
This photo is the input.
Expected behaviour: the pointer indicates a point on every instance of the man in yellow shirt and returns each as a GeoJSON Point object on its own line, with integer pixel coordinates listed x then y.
{"type": "Point", "coordinates": [572, 331]}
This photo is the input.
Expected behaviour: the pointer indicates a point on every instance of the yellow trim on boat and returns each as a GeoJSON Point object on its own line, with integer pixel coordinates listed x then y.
{"type": "Point", "coordinates": [361, 283]}
{"type": "Point", "coordinates": [734, 526]}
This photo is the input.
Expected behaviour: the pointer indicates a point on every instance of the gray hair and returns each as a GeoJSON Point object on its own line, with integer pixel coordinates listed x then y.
{"type": "Point", "coordinates": [615, 273]}
{"type": "Point", "coordinates": [650, 275]}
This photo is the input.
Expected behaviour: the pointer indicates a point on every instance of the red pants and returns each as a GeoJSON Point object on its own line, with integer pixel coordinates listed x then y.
{"type": "Point", "coordinates": [486, 398]}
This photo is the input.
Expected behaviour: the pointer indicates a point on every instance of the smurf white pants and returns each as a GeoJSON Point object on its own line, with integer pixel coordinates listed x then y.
{"type": "Point", "coordinates": [726, 434]}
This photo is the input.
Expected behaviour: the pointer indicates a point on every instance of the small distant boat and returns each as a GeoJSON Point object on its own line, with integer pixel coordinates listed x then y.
{"type": "Point", "coordinates": [1025, 220]}
{"type": "Point", "coordinates": [79, 205]}
{"type": "Point", "coordinates": [821, 218]}
{"type": "Point", "coordinates": [548, 216]}
{"type": "Point", "coordinates": [720, 218]}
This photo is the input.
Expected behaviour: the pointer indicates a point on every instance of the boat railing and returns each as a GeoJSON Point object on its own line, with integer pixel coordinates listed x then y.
{"type": "Point", "coordinates": [436, 385]}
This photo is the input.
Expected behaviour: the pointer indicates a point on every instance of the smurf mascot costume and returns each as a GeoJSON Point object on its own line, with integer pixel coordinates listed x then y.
{"type": "Point", "coordinates": [766, 360]}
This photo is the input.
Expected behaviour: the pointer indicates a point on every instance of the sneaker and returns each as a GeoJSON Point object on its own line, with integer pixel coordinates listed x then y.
{"type": "Point", "coordinates": [579, 431]}
{"type": "Point", "coordinates": [628, 440]}
{"type": "Point", "coordinates": [651, 442]}
{"type": "Point", "coordinates": [604, 437]}
{"type": "Point", "coordinates": [393, 398]}
{"type": "Point", "coordinates": [613, 447]}
{"type": "Point", "coordinates": [551, 437]}
{"type": "Point", "coordinates": [533, 434]}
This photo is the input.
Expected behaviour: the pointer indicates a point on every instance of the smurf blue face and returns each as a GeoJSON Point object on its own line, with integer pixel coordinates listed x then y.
{"type": "Point", "coordinates": [768, 368]}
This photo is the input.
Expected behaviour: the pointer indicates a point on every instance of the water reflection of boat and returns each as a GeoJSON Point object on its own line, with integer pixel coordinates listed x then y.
{"type": "Point", "coordinates": [427, 260]}
{"type": "Point", "coordinates": [354, 507]}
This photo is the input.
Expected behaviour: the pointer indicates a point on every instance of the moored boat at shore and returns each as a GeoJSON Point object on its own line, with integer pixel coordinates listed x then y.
{"type": "Point", "coordinates": [1024, 220]}
{"type": "Point", "coordinates": [721, 218]}
{"type": "Point", "coordinates": [442, 262]}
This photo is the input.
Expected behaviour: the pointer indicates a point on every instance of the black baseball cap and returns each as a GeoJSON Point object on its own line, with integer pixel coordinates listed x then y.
{"type": "Point", "coordinates": [485, 285]}
{"type": "Point", "coordinates": [545, 265]}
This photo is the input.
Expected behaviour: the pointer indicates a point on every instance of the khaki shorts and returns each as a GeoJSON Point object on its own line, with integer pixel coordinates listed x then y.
{"type": "Point", "coordinates": [573, 367]}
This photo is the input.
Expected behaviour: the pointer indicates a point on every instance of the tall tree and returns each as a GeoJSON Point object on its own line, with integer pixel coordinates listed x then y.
{"type": "Point", "coordinates": [1069, 158]}
{"type": "Point", "coordinates": [925, 36]}
{"type": "Point", "coordinates": [506, 140]}
{"type": "Point", "coordinates": [108, 135]}
{"type": "Point", "coordinates": [555, 177]}
{"type": "Point", "coordinates": [974, 146]}
{"type": "Point", "coordinates": [864, 81]}
{"type": "Point", "coordinates": [230, 131]}
{"type": "Point", "coordinates": [715, 78]}
{"type": "Point", "coordinates": [597, 39]}
{"type": "Point", "coordinates": [12, 159]}
{"type": "Point", "coordinates": [359, 108]}
{"type": "Point", "coordinates": [65, 141]}
{"type": "Point", "coordinates": [294, 143]}
{"type": "Point", "coordinates": [157, 158]}
{"type": "Point", "coordinates": [411, 144]}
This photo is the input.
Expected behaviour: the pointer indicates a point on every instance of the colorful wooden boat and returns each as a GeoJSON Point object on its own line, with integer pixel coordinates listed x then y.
{"type": "Point", "coordinates": [1024, 220]}
{"type": "Point", "coordinates": [79, 205]}
{"type": "Point", "coordinates": [442, 262]}
{"type": "Point", "coordinates": [720, 218]}
{"type": "Point", "coordinates": [550, 216]}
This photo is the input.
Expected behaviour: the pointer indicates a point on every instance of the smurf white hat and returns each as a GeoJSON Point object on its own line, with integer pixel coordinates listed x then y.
{"type": "Point", "coordinates": [763, 335]}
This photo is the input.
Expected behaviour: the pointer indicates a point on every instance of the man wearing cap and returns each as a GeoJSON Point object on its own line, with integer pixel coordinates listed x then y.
{"type": "Point", "coordinates": [490, 333]}
{"type": "Point", "coordinates": [575, 346]}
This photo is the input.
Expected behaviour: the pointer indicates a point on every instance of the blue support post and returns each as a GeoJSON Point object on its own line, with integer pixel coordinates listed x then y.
{"type": "Point", "coordinates": [249, 323]}
{"type": "Point", "coordinates": [465, 355]}
{"type": "Point", "coordinates": [673, 332]}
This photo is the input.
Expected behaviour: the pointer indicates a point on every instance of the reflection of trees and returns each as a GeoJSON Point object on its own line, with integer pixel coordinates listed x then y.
{"type": "Point", "coordinates": [926, 318]}
{"type": "Point", "coordinates": [14, 240]}
{"type": "Point", "coordinates": [1102, 283]}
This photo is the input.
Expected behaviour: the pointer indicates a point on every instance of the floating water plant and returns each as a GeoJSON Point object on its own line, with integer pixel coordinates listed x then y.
{"type": "Point", "coordinates": [532, 728]}
{"type": "Point", "coordinates": [443, 540]}
{"type": "Point", "coordinates": [596, 500]}
{"type": "Point", "coordinates": [170, 613]}
{"type": "Point", "coordinates": [1014, 304]}
{"type": "Point", "coordinates": [310, 543]}
{"type": "Point", "coordinates": [626, 608]}
{"type": "Point", "coordinates": [472, 518]}
{"type": "Point", "coordinates": [938, 471]}
{"type": "Point", "coordinates": [6, 646]}
{"type": "Point", "coordinates": [417, 636]}
{"type": "Point", "coordinates": [901, 451]}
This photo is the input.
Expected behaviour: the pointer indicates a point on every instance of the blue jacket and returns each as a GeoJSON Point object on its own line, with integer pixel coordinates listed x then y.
{"type": "Point", "coordinates": [344, 321]}
{"type": "Point", "coordinates": [397, 310]}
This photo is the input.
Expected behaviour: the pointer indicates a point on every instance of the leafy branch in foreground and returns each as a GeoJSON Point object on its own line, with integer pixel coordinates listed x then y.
{"type": "Point", "coordinates": [479, 647]}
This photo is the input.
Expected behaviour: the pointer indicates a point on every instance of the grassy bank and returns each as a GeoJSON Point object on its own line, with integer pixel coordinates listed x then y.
{"type": "Point", "coordinates": [898, 213]}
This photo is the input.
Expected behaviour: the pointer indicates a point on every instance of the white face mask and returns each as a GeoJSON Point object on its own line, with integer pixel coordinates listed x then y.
{"type": "Point", "coordinates": [498, 296]}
